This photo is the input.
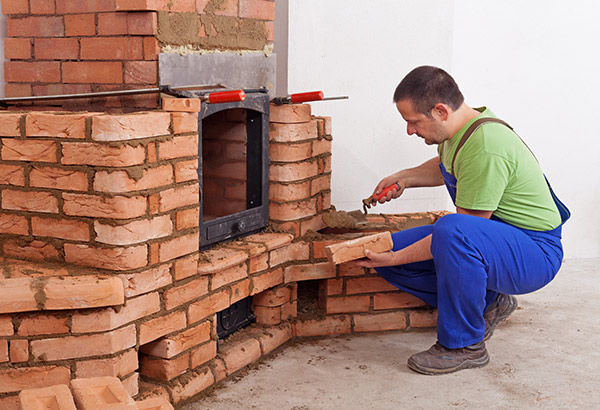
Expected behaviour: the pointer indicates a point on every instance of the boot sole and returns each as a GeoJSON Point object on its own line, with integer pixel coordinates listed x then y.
{"type": "Point", "coordinates": [467, 364]}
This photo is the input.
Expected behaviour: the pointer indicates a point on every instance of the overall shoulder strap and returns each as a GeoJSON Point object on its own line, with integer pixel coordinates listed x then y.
{"type": "Point", "coordinates": [472, 128]}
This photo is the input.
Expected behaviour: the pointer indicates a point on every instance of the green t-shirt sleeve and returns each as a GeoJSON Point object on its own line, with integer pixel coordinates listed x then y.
{"type": "Point", "coordinates": [481, 183]}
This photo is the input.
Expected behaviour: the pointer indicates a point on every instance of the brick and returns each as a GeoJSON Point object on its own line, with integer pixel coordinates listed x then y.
{"type": "Point", "coordinates": [154, 403]}
{"type": "Point", "coordinates": [146, 281]}
{"type": "Point", "coordinates": [117, 207]}
{"type": "Point", "coordinates": [335, 325]}
{"type": "Point", "coordinates": [251, 248]}
{"type": "Point", "coordinates": [179, 197]}
{"type": "Point", "coordinates": [330, 287]}
{"type": "Point", "coordinates": [293, 132]}
{"type": "Point", "coordinates": [130, 126]}
{"type": "Point", "coordinates": [111, 24]}
{"type": "Point", "coordinates": [15, 7]}
{"type": "Point", "coordinates": [271, 339]}
{"type": "Point", "coordinates": [171, 346]}
{"type": "Point", "coordinates": [122, 258]}
{"type": "Point", "coordinates": [10, 403]}
{"type": "Point", "coordinates": [396, 300]}
{"type": "Point", "coordinates": [18, 150]}
{"type": "Point", "coordinates": [137, 5]}
{"type": "Point", "coordinates": [355, 248]}
{"type": "Point", "coordinates": [33, 250]}
{"type": "Point", "coordinates": [218, 367]}
{"type": "Point", "coordinates": [240, 291]}
{"type": "Point", "coordinates": [290, 113]}
{"type": "Point", "coordinates": [92, 72]}
{"type": "Point", "coordinates": [82, 292]}
{"type": "Point", "coordinates": [195, 382]}
{"type": "Point", "coordinates": [320, 184]}
{"type": "Point", "coordinates": [291, 211]}
{"type": "Point", "coordinates": [42, 6]}
{"type": "Point", "coordinates": [185, 267]}
{"type": "Point", "coordinates": [209, 305]}
{"type": "Point", "coordinates": [4, 351]}
{"type": "Point", "coordinates": [141, 72]}
{"type": "Point", "coordinates": [71, 347]}
{"type": "Point", "coordinates": [42, 325]}
{"type": "Point", "coordinates": [178, 147]}
{"type": "Point", "coordinates": [111, 48]}
{"type": "Point", "coordinates": [17, 379]}
{"type": "Point", "coordinates": [19, 351]}
{"type": "Point", "coordinates": [295, 273]}
{"type": "Point", "coordinates": [17, 90]}
{"type": "Point", "coordinates": [379, 322]}
{"type": "Point", "coordinates": [257, 9]}
{"type": "Point", "coordinates": [17, 48]}
{"type": "Point", "coordinates": [84, 6]}
{"type": "Point", "coordinates": [131, 384]}
{"type": "Point", "coordinates": [121, 181]}
{"type": "Point", "coordinates": [80, 25]}
{"type": "Point", "coordinates": [101, 393]}
{"type": "Point", "coordinates": [60, 228]}
{"type": "Point", "coordinates": [54, 397]}
{"type": "Point", "coordinates": [188, 218]}
{"type": "Point", "coordinates": [164, 370]}
{"type": "Point", "coordinates": [142, 24]}
{"type": "Point", "coordinates": [58, 178]}
{"type": "Point", "coordinates": [267, 316]}
{"type": "Point", "coordinates": [180, 246]}
{"type": "Point", "coordinates": [293, 171]}
{"type": "Point", "coordinates": [240, 354]}
{"type": "Point", "coordinates": [12, 175]}
{"type": "Point", "coordinates": [290, 152]}
{"type": "Point", "coordinates": [349, 270]}
{"type": "Point", "coordinates": [203, 354]}
{"type": "Point", "coordinates": [184, 122]}
{"type": "Point", "coordinates": [118, 366]}
{"type": "Point", "coordinates": [56, 48]}
{"type": "Point", "coordinates": [181, 104]}
{"type": "Point", "coordinates": [368, 285]}
{"type": "Point", "coordinates": [282, 192]}
{"type": "Point", "coordinates": [229, 275]}
{"type": "Point", "coordinates": [179, 295]}
{"type": "Point", "coordinates": [319, 247]}
{"type": "Point", "coordinates": [6, 326]}
{"type": "Point", "coordinates": [259, 283]}
{"type": "Point", "coordinates": [44, 124]}
{"type": "Point", "coordinates": [298, 251]}
{"type": "Point", "coordinates": [133, 232]}
{"type": "Point", "coordinates": [13, 224]}
{"type": "Point", "coordinates": [347, 304]}
{"type": "Point", "coordinates": [423, 318]}
{"type": "Point", "coordinates": [10, 124]}
{"type": "Point", "coordinates": [155, 328]}
{"type": "Point", "coordinates": [29, 201]}
{"type": "Point", "coordinates": [90, 153]}
{"type": "Point", "coordinates": [35, 26]}
{"type": "Point", "coordinates": [258, 263]}
{"type": "Point", "coordinates": [321, 146]}
{"type": "Point", "coordinates": [151, 48]}
{"type": "Point", "coordinates": [289, 310]}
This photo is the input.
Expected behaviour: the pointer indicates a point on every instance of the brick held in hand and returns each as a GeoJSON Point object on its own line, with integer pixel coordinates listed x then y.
{"type": "Point", "coordinates": [355, 248]}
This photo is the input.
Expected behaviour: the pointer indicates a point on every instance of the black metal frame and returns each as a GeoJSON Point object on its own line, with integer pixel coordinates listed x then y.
{"type": "Point", "coordinates": [235, 317]}
{"type": "Point", "coordinates": [256, 215]}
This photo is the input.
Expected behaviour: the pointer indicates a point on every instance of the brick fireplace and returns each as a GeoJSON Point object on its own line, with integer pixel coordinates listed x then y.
{"type": "Point", "coordinates": [102, 270]}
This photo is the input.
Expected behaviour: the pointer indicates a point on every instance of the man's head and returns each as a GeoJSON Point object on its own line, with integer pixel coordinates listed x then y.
{"type": "Point", "coordinates": [425, 98]}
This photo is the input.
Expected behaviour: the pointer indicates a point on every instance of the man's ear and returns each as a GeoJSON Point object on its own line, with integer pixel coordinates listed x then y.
{"type": "Point", "coordinates": [441, 111]}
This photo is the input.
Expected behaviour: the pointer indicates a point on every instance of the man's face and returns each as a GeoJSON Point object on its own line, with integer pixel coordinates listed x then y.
{"type": "Point", "coordinates": [431, 129]}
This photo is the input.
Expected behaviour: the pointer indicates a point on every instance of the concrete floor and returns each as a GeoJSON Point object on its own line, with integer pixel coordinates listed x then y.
{"type": "Point", "coordinates": [546, 355]}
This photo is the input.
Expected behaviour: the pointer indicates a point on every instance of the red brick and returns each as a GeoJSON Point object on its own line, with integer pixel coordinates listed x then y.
{"type": "Point", "coordinates": [203, 354]}
{"type": "Point", "coordinates": [60, 228]}
{"type": "Point", "coordinates": [181, 104]}
{"type": "Point", "coordinates": [164, 370]}
{"type": "Point", "coordinates": [257, 9]}
{"type": "Point", "coordinates": [121, 181]}
{"type": "Point", "coordinates": [42, 325]}
{"type": "Point", "coordinates": [319, 247]}
{"type": "Point", "coordinates": [130, 126]}
{"type": "Point", "coordinates": [368, 285]}
{"type": "Point", "coordinates": [179, 295]}
{"type": "Point", "coordinates": [215, 260]}
{"type": "Point", "coordinates": [90, 153]}
{"type": "Point", "coordinates": [355, 249]}
{"type": "Point", "coordinates": [171, 346]}
{"type": "Point", "coordinates": [184, 122]}
{"type": "Point", "coordinates": [106, 72]}
{"type": "Point", "coordinates": [44, 124]}
{"type": "Point", "coordinates": [259, 283]}
{"type": "Point", "coordinates": [185, 267]}
{"type": "Point", "coordinates": [325, 165]}
{"type": "Point", "coordinates": [58, 178]}
{"type": "Point", "coordinates": [19, 351]}
{"type": "Point", "coordinates": [117, 207]}
{"type": "Point", "coordinates": [155, 328]}
{"type": "Point", "coordinates": [331, 287]}
{"type": "Point", "coordinates": [177, 247]}
{"type": "Point", "coordinates": [293, 132]}
{"type": "Point", "coordinates": [122, 258]}
{"type": "Point", "coordinates": [322, 183]}
{"type": "Point", "coordinates": [396, 300]}
{"type": "Point", "coordinates": [290, 152]}
{"type": "Point", "coordinates": [17, 48]}
{"type": "Point", "coordinates": [195, 382]}
{"type": "Point", "coordinates": [110, 24]}
{"type": "Point", "coordinates": [349, 270]}
{"type": "Point", "coordinates": [289, 310]}
{"type": "Point", "coordinates": [133, 232]}
{"type": "Point", "coordinates": [423, 318]}
{"type": "Point", "coordinates": [211, 304]}
{"type": "Point", "coordinates": [295, 273]}
{"type": "Point", "coordinates": [111, 48]}
{"type": "Point", "coordinates": [86, 291]}
{"type": "Point", "coordinates": [83, 6]}
{"type": "Point", "coordinates": [101, 393]}
{"type": "Point", "coordinates": [178, 147]}
{"type": "Point", "coordinates": [347, 304]}
{"type": "Point", "coordinates": [10, 403]}
{"type": "Point", "coordinates": [298, 251]}
{"type": "Point", "coordinates": [146, 281]}
{"type": "Point", "coordinates": [335, 325]}
{"type": "Point", "coordinates": [13, 224]}
{"type": "Point", "coordinates": [151, 48]}
{"type": "Point", "coordinates": [293, 171]}
{"type": "Point", "coordinates": [187, 219]}
{"type": "Point", "coordinates": [4, 351]}
{"type": "Point", "coordinates": [6, 326]}
{"type": "Point", "coordinates": [290, 113]}
{"type": "Point", "coordinates": [179, 197]}
{"type": "Point", "coordinates": [17, 90]}
{"type": "Point", "coordinates": [17, 379]}
{"type": "Point", "coordinates": [57, 397]}
{"type": "Point", "coordinates": [290, 211]}
{"type": "Point", "coordinates": [56, 48]}
{"type": "Point", "coordinates": [80, 25]}
{"type": "Point", "coordinates": [138, 5]}
{"type": "Point", "coordinates": [142, 24]}
{"type": "Point", "coordinates": [118, 366]}
{"type": "Point", "coordinates": [272, 297]}
{"type": "Point", "coordinates": [273, 338]}
{"type": "Point", "coordinates": [240, 354]}
{"type": "Point", "coordinates": [379, 322]}
{"type": "Point", "coordinates": [141, 72]}
{"type": "Point", "coordinates": [267, 316]}
{"type": "Point", "coordinates": [34, 250]}
{"type": "Point", "coordinates": [42, 6]}
{"type": "Point", "coordinates": [258, 263]}
{"type": "Point", "coordinates": [10, 124]}
{"type": "Point", "coordinates": [29, 201]}
{"type": "Point", "coordinates": [321, 146]}
{"type": "Point", "coordinates": [35, 26]}
{"type": "Point", "coordinates": [240, 291]}
{"type": "Point", "coordinates": [19, 150]}
{"type": "Point", "coordinates": [229, 275]}
{"type": "Point", "coordinates": [15, 7]}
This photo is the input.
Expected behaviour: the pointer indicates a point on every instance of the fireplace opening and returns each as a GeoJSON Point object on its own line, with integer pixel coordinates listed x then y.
{"type": "Point", "coordinates": [235, 317]}
{"type": "Point", "coordinates": [233, 169]}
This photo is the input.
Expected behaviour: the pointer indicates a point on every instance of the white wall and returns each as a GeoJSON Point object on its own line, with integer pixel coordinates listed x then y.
{"type": "Point", "coordinates": [541, 75]}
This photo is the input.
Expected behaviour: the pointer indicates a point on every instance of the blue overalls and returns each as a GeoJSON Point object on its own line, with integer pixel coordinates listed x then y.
{"type": "Point", "coordinates": [474, 259]}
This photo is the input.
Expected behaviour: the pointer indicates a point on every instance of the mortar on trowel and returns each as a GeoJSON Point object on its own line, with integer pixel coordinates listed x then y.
{"type": "Point", "coordinates": [357, 218]}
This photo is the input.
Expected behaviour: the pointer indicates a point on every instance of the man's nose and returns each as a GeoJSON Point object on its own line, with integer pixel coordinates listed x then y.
{"type": "Point", "coordinates": [410, 130]}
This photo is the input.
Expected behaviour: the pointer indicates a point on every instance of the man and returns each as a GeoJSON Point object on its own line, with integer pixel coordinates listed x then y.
{"type": "Point", "coordinates": [505, 238]}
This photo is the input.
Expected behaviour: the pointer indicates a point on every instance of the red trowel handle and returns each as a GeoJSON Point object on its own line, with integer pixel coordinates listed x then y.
{"type": "Point", "coordinates": [376, 197]}
{"type": "Point", "coordinates": [226, 96]}
{"type": "Point", "coordinates": [305, 97]}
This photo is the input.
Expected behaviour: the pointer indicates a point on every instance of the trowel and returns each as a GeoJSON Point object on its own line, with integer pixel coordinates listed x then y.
{"type": "Point", "coordinates": [354, 219]}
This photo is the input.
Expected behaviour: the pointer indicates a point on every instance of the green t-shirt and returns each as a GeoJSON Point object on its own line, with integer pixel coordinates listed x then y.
{"type": "Point", "coordinates": [495, 171]}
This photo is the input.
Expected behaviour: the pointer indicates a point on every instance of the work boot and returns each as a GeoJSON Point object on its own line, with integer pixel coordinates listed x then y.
{"type": "Point", "coordinates": [499, 310]}
{"type": "Point", "coordinates": [441, 360]}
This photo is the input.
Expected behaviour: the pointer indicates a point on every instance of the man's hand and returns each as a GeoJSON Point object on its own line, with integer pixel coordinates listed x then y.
{"type": "Point", "coordinates": [376, 259]}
